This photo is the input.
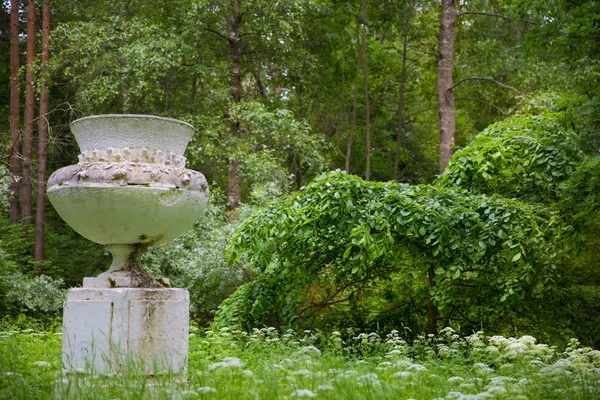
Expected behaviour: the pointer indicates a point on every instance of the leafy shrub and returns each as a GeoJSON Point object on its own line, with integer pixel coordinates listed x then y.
{"type": "Point", "coordinates": [528, 158]}
{"type": "Point", "coordinates": [340, 237]}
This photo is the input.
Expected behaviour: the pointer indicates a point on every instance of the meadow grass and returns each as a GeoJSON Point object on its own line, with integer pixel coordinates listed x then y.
{"type": "Point", "coordinates": [265, 364]}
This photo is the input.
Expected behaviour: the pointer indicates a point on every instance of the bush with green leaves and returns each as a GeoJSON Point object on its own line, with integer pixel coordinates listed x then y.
{"type": "Point", "coordinates": [339, 238]}
{"type": "Point", "coordinates": [529, 158]}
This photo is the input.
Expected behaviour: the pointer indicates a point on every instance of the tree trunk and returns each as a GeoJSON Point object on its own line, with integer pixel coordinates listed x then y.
{"type": "Point", "coordinates": [401, 106]}
{"type": "Point", "coordinates": [43, 125]}
{"type": "Point", "coordinates": [26, 203]}
{"type": "Point", "coordinates": [15, 114]}
{"type": "Point", "coordinates": [276, 81]}
{"type": "Point", "coordinates": [444, 82]}
{"type": "Point", "coordinates": [366, 84]}
{"type": "Point", "coordinates": [356, 82]}
{"type": "Point", "coordinates": [432, 311]}
{"type": "Point", "coordinates": [234, 179]}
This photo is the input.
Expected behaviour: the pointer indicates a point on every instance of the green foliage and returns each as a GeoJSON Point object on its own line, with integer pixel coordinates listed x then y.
{"type": "Point", "coordinates": [340, 235]}
{"type": "Point", "coordinates": [263, 363]}
{"type": "Point", "coordinates": [526, 157]}
{"type": "Point", "coordinates": [276, 151]}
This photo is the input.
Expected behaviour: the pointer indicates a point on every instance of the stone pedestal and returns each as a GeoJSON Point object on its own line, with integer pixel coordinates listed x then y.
{"type": "Point", "coordinates": [105, 327]}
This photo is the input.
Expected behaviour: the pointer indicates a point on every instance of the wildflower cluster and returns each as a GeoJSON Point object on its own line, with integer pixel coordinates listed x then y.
{"type": "Point", "coordinates": [266, 363]}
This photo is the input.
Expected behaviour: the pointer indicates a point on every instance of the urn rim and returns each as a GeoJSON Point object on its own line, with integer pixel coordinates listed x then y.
{"type": "Point", "coordinates": [125, 116]}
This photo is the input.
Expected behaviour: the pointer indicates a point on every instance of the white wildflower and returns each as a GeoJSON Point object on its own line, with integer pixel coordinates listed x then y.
{"type": "Point", "coordinates": [228, 362]}
{"type": "Point", "coordinates": [189, 394]}
{"type": "Point", "coordinates": [248, 373]}
{"type": "Point", "coordinates": [496, 390]}
{"type": "Point", "coordinates": [499, 380]}
{"type": "Point", "coordinates": [403, 364]}
{"type": "Point", "coordinates": [417, 368]}
{"type": "Point", "coordinates": [303, 393]}
{"type": "Point", "coordinates": [206, 389]}
{"type": "Point", "coordinates": [527, 339]}
{"type": "Point", "coordinates": [401, 374]}
{"type": "Point", "coordinates": [516, 348]}
{"type": "Point", "coordinates": [286, 362]}
{"type": "Point", "coordinates": [455, 379]}
{"type": "Point", "coordinates": [325, 387]}
{"type": "Point", "coordinates": [384, 365]}
{"type": "Point", "coordinates": [311, 351]}
{"type": "Point", "coordinates": [394, 352]}
{"type": "Point", "coordinates": [42, 364]}
{"type": "Point", "coordinates": [303, 372]}
{"type": "Point", "coordinates": [371, 377]}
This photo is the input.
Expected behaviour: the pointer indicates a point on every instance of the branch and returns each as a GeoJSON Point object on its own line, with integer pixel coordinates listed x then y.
{"type": "Point", "coordinates": [483, 102]}
{"type": "Point", "coordinates": [218, 34]}
{"type": "Point", "coordinates": [527, 21]}
{"type": "Point", "coordinates": [489, 80]}
{"type": "Point", "coordinates": [260, 83]}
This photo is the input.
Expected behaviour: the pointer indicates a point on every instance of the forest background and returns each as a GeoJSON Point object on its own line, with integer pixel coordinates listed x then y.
{"type": "Point", "coordinates": [282, 91]}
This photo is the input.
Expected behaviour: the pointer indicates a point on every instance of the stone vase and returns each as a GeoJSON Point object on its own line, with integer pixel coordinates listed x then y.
{"type": "Point", "coordinates": [129, 190]}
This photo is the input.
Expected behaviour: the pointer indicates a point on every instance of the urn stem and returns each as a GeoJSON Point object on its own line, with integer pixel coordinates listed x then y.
{"type": "Point", "coordinates": [120, 253]}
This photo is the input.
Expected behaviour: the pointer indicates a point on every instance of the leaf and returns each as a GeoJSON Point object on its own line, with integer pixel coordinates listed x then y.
{"type": "Point", "coordinates": [516, 257]}
{"type": "Point", "coordinates": [347, 252]}
{"type": "Point", "coordinates": [422, 230]}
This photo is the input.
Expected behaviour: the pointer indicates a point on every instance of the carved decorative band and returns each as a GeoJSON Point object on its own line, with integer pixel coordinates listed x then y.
{"type": "Point", "coordinates": [134, 155]}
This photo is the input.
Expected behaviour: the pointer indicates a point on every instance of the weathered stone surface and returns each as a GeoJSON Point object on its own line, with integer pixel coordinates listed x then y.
{"type": "Point", "coordinates": [104, 327]}
{"type": "Point", "coordinates": [130, 188]}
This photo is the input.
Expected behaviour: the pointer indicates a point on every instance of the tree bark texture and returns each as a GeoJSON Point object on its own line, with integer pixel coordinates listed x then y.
{"type": "Point", "coordinates": [356, 83]}
{"type": "Point", "coordinates": [43, 131]}
{"type": "Point", "coordinates": [15, 114]}
{"type": "Point", "coordinates": [234, 179]}
{"type": "Point", "coordinates": [401, 106]}
{"type": "Point", "coordinates": [28, 117]}
{"type": "Point", "coordinates": [366, 85]}
{"type": "Point", "coordinates": [445, 95]}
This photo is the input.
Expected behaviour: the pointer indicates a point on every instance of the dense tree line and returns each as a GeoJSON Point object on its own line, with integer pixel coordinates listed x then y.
{"type": "Point", "coordinates": [278, 92]}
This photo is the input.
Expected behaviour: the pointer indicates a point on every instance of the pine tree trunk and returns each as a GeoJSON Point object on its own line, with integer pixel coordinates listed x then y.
{"type": "Point", "coordinates": [15, 114]}
{"type": "Point", "coordinates": [28, 118]}
{"type": "Point", "coordinates": [356, 83]}
{"type": "Point", "coordinates": [40, 204]}
{"type": "Point", "coordinates": [366, 85]}
{"type": "Point", "coordinates": [401, 105]}
{"type": "Point", "coordinates": [234, 179]}
{"type": "Point", "coordinates": [444, 82]}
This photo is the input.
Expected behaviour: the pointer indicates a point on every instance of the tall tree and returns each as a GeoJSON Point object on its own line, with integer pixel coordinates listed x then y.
{"type": "Point", "coordinates": [445, 96]}
{"type": "Point", "coordinates": [43, 137]}
{"type": "Point", "coordinates": [401, 107]}
{"type": "Point", "coordinates": [355, 95]}
{"type": "Point", "coordinates": [234, 178]}
{"type": "Point", "coordinates": [365, 64]}
{"type": "Point", "coordinates": [15, 115]}
{"type": "Point", "coordinates": [29, 116]}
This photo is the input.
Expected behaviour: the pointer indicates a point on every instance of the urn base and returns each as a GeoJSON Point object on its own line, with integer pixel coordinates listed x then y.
{"type": "Point", "coordinates": [106, 329]}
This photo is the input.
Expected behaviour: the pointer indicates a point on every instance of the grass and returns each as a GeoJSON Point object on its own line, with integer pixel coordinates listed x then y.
{"type": "Point", "coordinates": [264, 364]}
